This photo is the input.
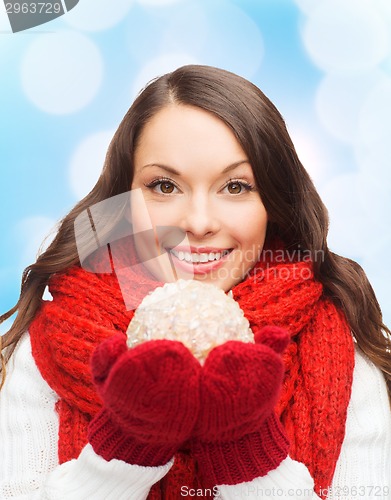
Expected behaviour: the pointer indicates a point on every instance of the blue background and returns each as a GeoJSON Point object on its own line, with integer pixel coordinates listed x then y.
{"type": "Point", "coordinates": [65, 85]}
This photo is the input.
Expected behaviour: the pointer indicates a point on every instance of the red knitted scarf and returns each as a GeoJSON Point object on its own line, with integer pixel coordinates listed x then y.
{"type": "Point", "coordinates": [87, 308]}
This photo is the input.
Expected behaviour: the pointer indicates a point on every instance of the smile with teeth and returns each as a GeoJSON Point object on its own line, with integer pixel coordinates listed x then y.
{"type": "Point", "coordinates": [199, 257]}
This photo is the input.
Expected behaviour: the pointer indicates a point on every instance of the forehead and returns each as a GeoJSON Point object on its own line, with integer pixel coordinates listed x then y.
{"type": "Point", "coordinates": [181, 134]}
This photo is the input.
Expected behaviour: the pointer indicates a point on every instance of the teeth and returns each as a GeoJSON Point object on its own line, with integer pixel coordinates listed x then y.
{"type": "Point", "coordinates": [199, 257]}
{"type": "Point", "coordinates": [204, 257]}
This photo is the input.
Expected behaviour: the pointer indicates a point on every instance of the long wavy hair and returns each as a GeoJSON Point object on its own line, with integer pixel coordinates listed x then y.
{"type": "Point", "coordinates": [296, 214]}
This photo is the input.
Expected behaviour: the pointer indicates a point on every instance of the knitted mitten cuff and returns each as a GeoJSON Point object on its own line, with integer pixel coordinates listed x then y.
{"type": "Point", "coordinates": [242, 460]}
{"type": "Point", "coordinates": [109, 441]}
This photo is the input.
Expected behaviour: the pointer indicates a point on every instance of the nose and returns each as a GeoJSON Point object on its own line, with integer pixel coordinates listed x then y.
{"type": "Point", "coordinates": [199, 217]}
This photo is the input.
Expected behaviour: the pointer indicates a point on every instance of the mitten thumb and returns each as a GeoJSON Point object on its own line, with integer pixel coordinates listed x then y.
{"type": "Point", "coordinates": [273, 336]}
{"type": "Point", "coordinates": [105, 355]}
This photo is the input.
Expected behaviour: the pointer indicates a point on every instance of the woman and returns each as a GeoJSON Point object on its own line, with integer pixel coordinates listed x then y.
{"type": "Point", "coordinates": [302, 413]}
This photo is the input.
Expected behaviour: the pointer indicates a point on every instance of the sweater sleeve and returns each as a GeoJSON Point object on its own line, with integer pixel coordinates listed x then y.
{"type": "Point", "coordinates": [291, 480]}
{"type": "Point", "coordinates": [363, 469]}
{"type": "Point", "coordinates": [29, 468]}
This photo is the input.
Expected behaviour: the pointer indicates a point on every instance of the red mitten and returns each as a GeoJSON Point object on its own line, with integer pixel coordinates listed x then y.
{"type": "Point", "coordinates": [150, 400]}
{"type": "Point", "coordinates": [238, 436]}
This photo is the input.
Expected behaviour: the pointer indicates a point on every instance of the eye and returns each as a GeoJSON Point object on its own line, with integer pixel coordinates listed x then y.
{"type": "Point", "coordinates": [166, 187]}
{"type": "Point", "coordinates": [162, 186]}
{"type": "Point", "coordinates": [234, 187]}
{"type": "Point", "coordinates": [238, 187]}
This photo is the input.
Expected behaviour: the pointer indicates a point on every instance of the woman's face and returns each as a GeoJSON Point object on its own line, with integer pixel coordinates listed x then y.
{"type": "Point", "coordinates": [195, 176]}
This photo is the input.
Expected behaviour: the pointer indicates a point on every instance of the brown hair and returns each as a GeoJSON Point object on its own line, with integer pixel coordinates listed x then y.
{"type": "Point", "coordinates": [295, 211]}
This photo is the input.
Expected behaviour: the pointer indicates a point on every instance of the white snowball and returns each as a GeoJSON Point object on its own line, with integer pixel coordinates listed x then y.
{"type": "Point", "coordinates": [374, 119]}
{"type": "Point", "coordinates": [98, 15]}
{"type": "Point", "coordinates": [339, 99]}
{"type": "Point", "coordinates": [61, 72]}
{"type": "Point", "coordinates": [346, 35]}
{"type": "Point", "coordinates": [87, 162]}
{"type": "Point", "coordinates": [199, 315]}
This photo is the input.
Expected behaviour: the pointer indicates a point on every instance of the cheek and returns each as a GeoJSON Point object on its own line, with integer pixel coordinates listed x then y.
{"type": "Point", "coordinates": [164, 218]}
{"type": "Point", "coordinates": [249, 226]}
{"type": "Point", "coordinates": [165, 213]}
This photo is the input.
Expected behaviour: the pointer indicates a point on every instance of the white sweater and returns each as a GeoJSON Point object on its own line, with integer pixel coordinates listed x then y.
{"type": "Point", "coordinates": [29, 466]}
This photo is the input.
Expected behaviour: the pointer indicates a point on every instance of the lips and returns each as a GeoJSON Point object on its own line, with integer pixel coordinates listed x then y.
{"type": "Point", "coordinates": [199, 260]}
{"type": "Point", "coordinates": [199, 257]}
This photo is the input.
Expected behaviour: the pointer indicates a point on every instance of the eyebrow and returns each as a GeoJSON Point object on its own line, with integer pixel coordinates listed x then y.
{"type": "Point", "coordinates": [175, 172]}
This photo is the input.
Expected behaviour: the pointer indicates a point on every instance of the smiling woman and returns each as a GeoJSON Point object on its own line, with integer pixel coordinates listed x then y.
{"type": "Point", "coordinates": [204, 174]}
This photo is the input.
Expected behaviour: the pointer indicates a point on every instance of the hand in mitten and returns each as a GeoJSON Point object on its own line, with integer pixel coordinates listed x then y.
{"type": "Point", "coordinates": [150, 400]}
{"type": "Point", "coordinates": [238, 436]}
